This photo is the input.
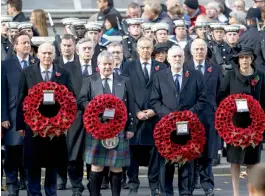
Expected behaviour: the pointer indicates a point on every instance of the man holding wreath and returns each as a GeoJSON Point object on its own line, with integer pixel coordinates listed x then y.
{"type": "Point", "coordinates": [97, 154]}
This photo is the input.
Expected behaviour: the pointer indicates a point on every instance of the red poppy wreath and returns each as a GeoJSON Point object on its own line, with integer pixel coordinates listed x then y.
{"type": "Point", "coordinates": [92, 120]}
{"type": "Point", "coordinates": [173, 152]}
{"type": "Point", "coordinates": [49, 126]}
{"type": "Point", "coordinates": [234, 135]}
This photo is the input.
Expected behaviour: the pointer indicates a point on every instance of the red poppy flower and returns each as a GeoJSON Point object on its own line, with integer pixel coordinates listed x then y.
{"type": "Point", "coordinates": [235, 135]}
{"type": "Point", "coordinates": [157, 68]}
{"type": "Point", "coordinates": [175, 152]}
{"type": "Point", "coordinates": [42, 125]}
{"type": "Point", "coordinates": [187, 74]}
{"type": "Point", "coordinates": [97, 106]}
{"type": "Point", "coordinates": [210, 69]}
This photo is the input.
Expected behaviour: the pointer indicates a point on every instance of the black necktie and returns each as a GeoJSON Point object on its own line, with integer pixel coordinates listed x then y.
{"type": "Point", "coordinates": [106, 86]}
{"type": "Point", "coordinates": [177, 83]}
{"type": "Point", "coordinates": [85, 72]}
{"type": "Point", "coordinates": [46, 78]}
{"type": "Point", "coordinates": [199, 67]}
{"type": "Point", "coordinates": [116, 70]}
{"type": "Point", "coordinates": [25, 63]}
{"type": "Point", "coordinates": [146, 76]}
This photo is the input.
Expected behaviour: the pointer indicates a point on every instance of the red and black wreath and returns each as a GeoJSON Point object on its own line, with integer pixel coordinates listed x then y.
{"type": "Point", "coordinates": [49, 126]}
{"type": "Point", "coordinates": [174, 152]}
{"type": "Point", "coordinates": [234, 135]}
{"type": "Point", "coordinates": [95, 109]}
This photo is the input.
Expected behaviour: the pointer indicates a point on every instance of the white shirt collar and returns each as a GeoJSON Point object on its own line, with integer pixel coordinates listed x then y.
{"type": "Point", "coordinates": [65, 60]}
{"type": "Point", "coordinates": [43, 70]}
{"type": "Point", "coordinates": [174, 73]}
{"type": "Point", "coordinates": [110, 77]}
{"type": "Point", "coordinates": [119, 66]}
{"type": "Point", "coordinates": [149, 61]}
{"type": "Point", "coordinates": [83, 63]}
{"type": "Point", "coordinates": [196, 64]}
{"type": "Point", "coordinates": [20, 59]}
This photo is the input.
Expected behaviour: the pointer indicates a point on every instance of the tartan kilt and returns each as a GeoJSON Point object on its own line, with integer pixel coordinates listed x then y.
{"type": "Point", "coordinates": [96, 154]}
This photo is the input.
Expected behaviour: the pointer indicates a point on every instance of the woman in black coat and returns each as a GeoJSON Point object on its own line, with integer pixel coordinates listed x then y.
{"type": "Point", "coordinates": [239, 81]}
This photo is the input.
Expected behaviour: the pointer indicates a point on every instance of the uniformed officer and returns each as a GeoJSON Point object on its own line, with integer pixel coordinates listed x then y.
{"type": "Point", "coordinates": [67, 22]}
{"type": "Point", "coordinates": [147, 29]}
{"type": "Point", "coordinates": [161, 34]}
{"type": "Point", "coordinates": [5, 43]}
{"type": "Point", "coordinates": [78, 28]}
{"type": "Point", "coordinates": [94, 30]}
{"type": "Point", "coordinates": [129, 43]}
{"type": "Point", "coordinates": [12, 30]}
{"type": "Point", "coordinates": [181, 37]}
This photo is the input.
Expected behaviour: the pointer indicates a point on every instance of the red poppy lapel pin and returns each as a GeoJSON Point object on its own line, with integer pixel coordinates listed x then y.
{"type": "Point", "coordinates": [97, 69]}
{"type": "Point", "coordinates": [32, 61]}
{"type": "Point", "coordinates": [210, 69]}
{"type": "Point", "coordinates": [187, 74]}
{"type": "Point", "coordinates": [57, 74]}
{"type": "Point", "coordinates": [255, 81]}
{"type": "Point", "coordinates": [157, 68]}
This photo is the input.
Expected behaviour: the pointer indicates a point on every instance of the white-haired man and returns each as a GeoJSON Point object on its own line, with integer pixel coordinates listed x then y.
{"type": "Point", "coordinates": [50, 156]}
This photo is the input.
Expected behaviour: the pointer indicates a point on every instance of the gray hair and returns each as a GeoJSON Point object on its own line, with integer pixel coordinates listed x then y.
{"type": "Point", "coordinates": [175, 48]}
{"type": "Point", "coordinates": [239, 16]}
{"type": "Point", "coordinates": [153, 7]}
{"type": "Point", "coordinates": [45, 44]}
{"type": "Point", "coordinates": [114, 44]}
{"type": "Point", "coordinates": [195, 43]}
{"type": "Point", "coordinates": [105, 54]}
{"type": "Point", "coordinates": [144, 39]}
{"type": "Point", "coordinates": [84, 40]}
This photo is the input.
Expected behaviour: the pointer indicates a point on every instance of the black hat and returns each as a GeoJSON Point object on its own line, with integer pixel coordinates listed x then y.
{"type": "Point", "coordinates": [160, 47]}
{"type": "Point", "coordinates": [246, 50]}
{"type": "Point", "coordinates": [193, 4]}
{"type": "Point", "coordinates": [254, 13]}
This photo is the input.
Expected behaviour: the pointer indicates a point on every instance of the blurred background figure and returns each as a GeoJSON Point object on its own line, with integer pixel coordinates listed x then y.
{"type": "Point", "coordinates": [239, 5]}
{"type": "Point", "coordinates": [14, 8]}
{"type": "Point", "coordinates": [134, 10]}
{"type": "Point", "coordinates": [214, 11]}
{"type": "Point", "coordinates": [111, 25]}
{"type": "Point", "coordinates": [259, 4]}
{"type": "Point", "coordinates": [224, 9]}
{"type": "Point", "coordinates": [256, 180]}
{"type": "Point", "coordinates": [38, 19]}
{"type": "Point", "coordinates": [192, 11]}
{"type": "Point", "coordinates": [174, 9]}
{"type": "Point", "coordinates": [237, 18]}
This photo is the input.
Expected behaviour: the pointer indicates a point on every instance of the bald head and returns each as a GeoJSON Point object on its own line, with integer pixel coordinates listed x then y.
{"type": "Point", "coordinates": [46, 54]}
{"type": "Point", "coordinates": [199, 50]}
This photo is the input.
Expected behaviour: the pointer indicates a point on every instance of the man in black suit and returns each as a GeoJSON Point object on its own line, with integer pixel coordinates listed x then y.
{"type": "Point", "coordinates": [115, 157]}
{"type": "Point", "coordinates": [141, 72]}
{"type": "Point", "coordinates": [14, 8]}
{"type": "Point", "coordinates": [51, 149]}
{"type": "Point", "coordinates": [177, 89]}
{"type": "Point", "coordinates": [81, 67]}
{"type": "Point", "coordinates": [11, 69]}
{"type": "Point", "coordinates": [67, 45]}
{"type": "Point", "coordinates": [212, 75]}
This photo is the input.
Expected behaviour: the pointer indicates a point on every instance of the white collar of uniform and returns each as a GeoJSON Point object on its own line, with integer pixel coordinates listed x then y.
{"type": "Point", "coordinates": [196, 64]}
{"type": "Point", "coordinates": [70, 60]}
{"type": "Point", "coordinates": [149, 61]}
{"type": "Point", "coordinates": [20, 59]}
{"type": "Point", "coordinates": [109, 77]}
{"type": "Point", "coordinates": [83, 63]}
{"type": "Point", "coordinates": [43, 70]}
{"type": "Point", "coordinates": [174, 73]}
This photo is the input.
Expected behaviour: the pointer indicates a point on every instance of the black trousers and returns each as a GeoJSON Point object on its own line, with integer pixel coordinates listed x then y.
{"type": "Point", "coordinates": [143, 156]}
{"type": "Point", "coordinates": [75, 172]}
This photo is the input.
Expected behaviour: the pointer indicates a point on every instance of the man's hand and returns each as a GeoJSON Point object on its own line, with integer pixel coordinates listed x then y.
{"type": "Point", "coordinates": [149, 113]}
{"type": "Point", "coordinates": [6, 124]}
{"type": "Point", "coordinates": [142, 116]}
{"type": "Point", "coordinates": [21, 132]}
{"type": "Point", "coordinates": [129, 135]}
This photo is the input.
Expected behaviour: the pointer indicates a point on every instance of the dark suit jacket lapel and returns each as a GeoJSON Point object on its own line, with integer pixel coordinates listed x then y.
{"type": "Point", "coordinates": [77, 68]}
{"type": "Point", "coordinates": [56, 70]}
{"type": "Point", "coordinates": [118, 86]}
{"type": "Point", "coordinates": [17, 63]}
{"type": "Point", "coordinates": [139, 72]}
{"type": "Point", "coordinates": [36, 74]}
{"type": "Point", "coordinates": [96, 85]}
{"type": "Point", "coordinates": [185, 78]}
{"type": "Point", "coordinates": [208, 71]}
{"type": "Point", "coordinates": [153, 65]}
{"type": "Point", "coordinates": [172, 85]}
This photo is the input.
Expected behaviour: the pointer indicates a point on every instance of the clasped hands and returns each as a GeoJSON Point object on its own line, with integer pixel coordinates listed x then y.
{"type": "Point", "coordinates": [145, 114]}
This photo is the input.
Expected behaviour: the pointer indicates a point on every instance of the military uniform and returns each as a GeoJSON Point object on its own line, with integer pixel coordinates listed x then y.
{"type": "Point", "coordinates": [6, 45]}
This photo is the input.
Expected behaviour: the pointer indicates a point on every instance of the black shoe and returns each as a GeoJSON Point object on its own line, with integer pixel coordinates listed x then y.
{"type": "Point", "coordinates": [124, 185]}
{"type": "Point", "coordinates": [155, 192]}
{"type": "Point", "coordinates": [105, 185]}
{"type": "Point", "coordinates": [217, 161]}
{"type": "Point", "coordinates": [61, 187]}
{"type": "Point", "coordinates": [22, 186]}
{"type": "Point", "coordinates": [133, 192]}
{"type": "Point", "coordinates": [209, 192]}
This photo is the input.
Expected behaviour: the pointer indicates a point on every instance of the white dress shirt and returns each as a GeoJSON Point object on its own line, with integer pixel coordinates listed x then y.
{"type": "Point", "coordinates": [20, 61]}
{"type": "Point", "coordinates": [179, 78]}
{"type": "Point", "coordinates": [203, 66]}
{"type": "Point", "coordinates": [89, 68]}
{"type": "Point", "coordinates": [148, 66]}
{"type": "Point", "coordinates": [110, 81]}
{"type": "Point", "coordinates": [43, 74]}
{"type": "Point", "coordinates": [65, 60]}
